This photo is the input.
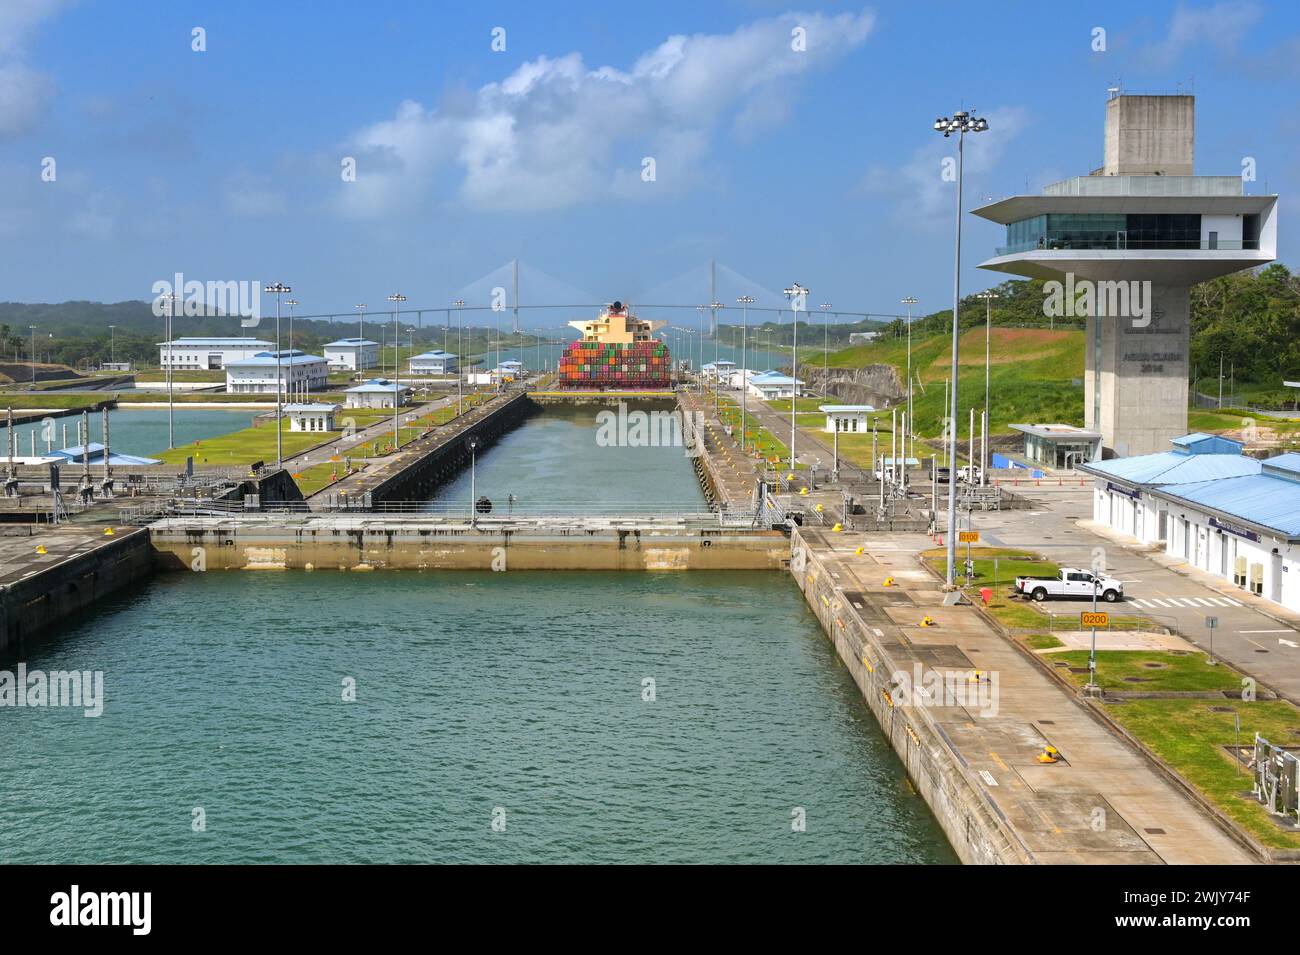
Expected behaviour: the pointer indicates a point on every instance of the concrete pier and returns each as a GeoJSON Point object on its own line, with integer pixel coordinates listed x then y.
{"type": "Point", "coordinates": [974, 758]}
{"type": "Point", "coordinates": [80, 566]}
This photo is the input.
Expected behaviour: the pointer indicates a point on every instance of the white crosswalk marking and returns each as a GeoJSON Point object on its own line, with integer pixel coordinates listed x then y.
{"type": "Point", "coordinates": [1137, 603]}
{"type": "Point", "coordinates": [1235, 603]}
{"type": "Point", "coordinates": [1220, 602]}
{"type": "Point", "coordinates": [1159, 603]}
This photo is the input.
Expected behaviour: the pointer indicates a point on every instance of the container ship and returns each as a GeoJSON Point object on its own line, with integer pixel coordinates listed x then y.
{"type": "Point", "coordinates": [617, 350]}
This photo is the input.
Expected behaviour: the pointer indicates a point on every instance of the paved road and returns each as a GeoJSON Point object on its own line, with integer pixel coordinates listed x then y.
{"type": "Point", "coordinates": [1256, 636]}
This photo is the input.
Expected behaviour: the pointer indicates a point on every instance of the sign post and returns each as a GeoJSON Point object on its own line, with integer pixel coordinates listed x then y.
{"type": "Point", "coordinates": [1211, 623]}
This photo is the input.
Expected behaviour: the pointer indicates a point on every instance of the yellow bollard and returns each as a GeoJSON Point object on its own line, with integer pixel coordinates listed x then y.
{"type": "Point", "coordinates": [926, 621]}
{"type": "Point", "coordinates": [837, 528]}
{"type": "Point", "coordinates": [108, 532]}
{"type": "Point", "coordinates": [803, 492]}
{"type": "Point", "coordinates": [817, 508]}
{"type": "Point", "coordinates": [40, 549]}
{"type": "Point", "coordinates": [889, 581]}
{"type": "Point", "coordinates": [859, 552]}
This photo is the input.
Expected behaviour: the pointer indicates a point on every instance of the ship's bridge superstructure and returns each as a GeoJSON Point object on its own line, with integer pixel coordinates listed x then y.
{"type": "Point", "coordinates": [617, 326]}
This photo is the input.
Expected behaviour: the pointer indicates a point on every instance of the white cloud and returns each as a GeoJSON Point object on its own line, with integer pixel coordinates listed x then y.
{"type": "Point", "coordinates": [556, 133]}
{"type": "Point", "coordinates": [1220, 26]}
{"type": "Point", "coordinates": [24, 92]}
{"type": "Point", "coordinates": [919, 183]}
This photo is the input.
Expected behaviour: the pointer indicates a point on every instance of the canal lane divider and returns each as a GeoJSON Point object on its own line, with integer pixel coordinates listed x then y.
{"type": "Point", "coordinates": [971, 719]}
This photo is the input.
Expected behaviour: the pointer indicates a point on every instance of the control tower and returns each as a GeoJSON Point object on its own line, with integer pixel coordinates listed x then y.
{"type": "Point", "coordinates": [1126, 242]}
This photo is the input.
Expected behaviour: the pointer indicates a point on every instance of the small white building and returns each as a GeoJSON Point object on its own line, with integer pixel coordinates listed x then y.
{"type": "Point", "coordinates": [719, 370]}
{"type": "Point", "coordinates": [208, 354]}
{"type": "Point", "coordinates": [352, 354]}
{"type": "Point", "coordinates": [311, 416]}
{"type": "Point", "coordinates": [436, 362]}
{"type": "Point", "coordinates": [1235, 517]}
{"type": "Point", "coordinates": [846, 418]}
{"type": "Point", "coordinates": [863, 338]}
{"type": "Point", "coordinates": [1059, 445]}
{"type": "Point", "coordinates": [377, 393]}
{"type": "Point", "coordinates": [771, 385]}
{"type": "Point", "coordinates": [510, 370]}
{"type": "Point", "coordinates": [298, 373]}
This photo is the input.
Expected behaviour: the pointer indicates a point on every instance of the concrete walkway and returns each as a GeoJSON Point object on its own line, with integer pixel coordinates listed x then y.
{"type": "Point", "coordinates": [1103, 804]}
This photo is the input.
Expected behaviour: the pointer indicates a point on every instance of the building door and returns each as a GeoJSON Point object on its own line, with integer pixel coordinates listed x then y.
{"type": "Point", "coordinates": [1214, 240]}
{"type": "Point", "coordinates": [214, 361]}
{"type": "Point", "coordinates": [1225, 544]}
{"type": "Point", "coordinates": [1163, 533]}
{"type": "Point", "coordinates": [1275, 577]}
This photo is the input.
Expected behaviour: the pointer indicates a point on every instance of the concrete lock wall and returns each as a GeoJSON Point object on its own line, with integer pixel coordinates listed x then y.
{"type": "Point", "coordinates": [459, 547]}
{"type": "Point", "coordinates": [38, 603]}
{"type": "Point", "coordinates": [977, 832]}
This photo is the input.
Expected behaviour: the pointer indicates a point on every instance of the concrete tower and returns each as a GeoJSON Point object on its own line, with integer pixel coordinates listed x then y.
{"type": "Point", "coordinates": [1126, 243]}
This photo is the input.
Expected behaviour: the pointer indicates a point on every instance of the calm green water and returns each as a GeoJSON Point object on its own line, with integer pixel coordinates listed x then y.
{"type": "Point", "coordinates": [141, 431]}
{"type": "Point", "coordinates": [554, 458]}
{"type": "Point", "coordinates": [475, 691]}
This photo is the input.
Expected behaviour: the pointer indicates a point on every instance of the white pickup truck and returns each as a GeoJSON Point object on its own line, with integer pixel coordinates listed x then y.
{"type": "Point", "coordinates": [1071, 582]}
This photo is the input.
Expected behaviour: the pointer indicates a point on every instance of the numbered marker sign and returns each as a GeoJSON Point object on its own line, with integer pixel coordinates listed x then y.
{"type": "Point", "coordinates": [968, 537]}
{"type": "Point", "coordinates": [1098, 619]}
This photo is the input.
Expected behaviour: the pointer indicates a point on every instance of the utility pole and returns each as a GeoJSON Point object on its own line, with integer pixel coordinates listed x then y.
{"type": "Point", "coordinates": [279, 288]}
{"type": "Point", "coordinates": [397, 299]}
{"type": "Point", "coordinates": [460, 376]}
{"type": "Point", "coordinates": [911, 412]}
{"type": "Point", "coordinates": [798, 296]}
{"type": "Point", "coordinates": [961, 123]}
{"type": "Point", "coordinates": [745, 301]}
{"type": "Point", "coordinates": [988, 295]}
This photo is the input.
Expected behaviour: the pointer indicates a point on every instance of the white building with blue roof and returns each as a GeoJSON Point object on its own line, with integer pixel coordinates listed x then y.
{"type": "Point", "coordinates": [435, 362]}
{"type": "Point", "coordinates": [297, 371]}
{"type": "Point", "coordinates": [208, 354]}
{"type": "Point", "coordinates": [377, 393]}
{"type": "Point", "coordinates": [1229, 515]}
{"type": "Point", "coordinates": [351, 354]}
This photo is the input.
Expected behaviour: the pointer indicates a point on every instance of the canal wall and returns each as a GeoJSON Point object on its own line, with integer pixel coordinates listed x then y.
{"type": "Point", "coordinates": [425, 468]}
{"type": "Point", "coordinates": [977, 831]}
{"type": "Point", "coordinates": [411, 543]}
{"type": "Point", "coordinates": [39, 591]}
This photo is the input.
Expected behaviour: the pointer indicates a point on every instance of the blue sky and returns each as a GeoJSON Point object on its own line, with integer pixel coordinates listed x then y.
{"type": "Point", "coordinates": [818, 166]}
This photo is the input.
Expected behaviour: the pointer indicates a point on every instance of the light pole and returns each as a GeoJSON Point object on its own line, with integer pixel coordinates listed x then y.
{"type": "Point", "coordinates": [279, 288]}
{"type": "Point", "coordinates": [291, 302]}
{"type": "Point", "coordinates": [171, 314]}
{"type": "Point", "coordinates": [33, 331]}
{"type": "Point", "coordinates": [826, 343]}
{"type": "Point", "coordinates": [472, 443]}
{"type": "Point", "coordinates": [699, 372]}
{"type": "Point", "coordinates": [744, 301]}
{"type": "Point", "coordinates": [911, 413]}
{"type": "Point", "coordinates": [798, 296]}
{"type": "Point", "coordinates": [717, 374]}
{"type": "Point", "coordinates": [361, 335]}
{"type": "Point", "coordinates": [961, 123]}
{"type": "Point", "coordinates": [988, 295]}
{"type": "Point", "coordinates": [397, 298]}
{"type": "Point", "coordinates": [112, 345]}
{"type": "Point", "coordinates": [459, 304]}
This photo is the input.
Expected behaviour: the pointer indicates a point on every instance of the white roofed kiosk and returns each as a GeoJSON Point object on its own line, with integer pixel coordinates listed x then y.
{"type": "Point", "coordinates": [1129, 240]}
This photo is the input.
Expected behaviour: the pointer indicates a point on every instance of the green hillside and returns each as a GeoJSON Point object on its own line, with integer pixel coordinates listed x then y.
{"type": "Point", "coordinates": [1035, 375]}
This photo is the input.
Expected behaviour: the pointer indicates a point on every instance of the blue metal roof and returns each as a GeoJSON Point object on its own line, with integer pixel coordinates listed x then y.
{"type": "Point", "coordinates": [437, 355]}
{"type": "Point", "coordinates": [94, 452]}
{"type": "Point", "coordinates": [1285, 465]}
{"type": "Point", "coordinates": [1200, 443]}
{"type": "Point", "coordinates": [378, 384]}
{"type": "Point", "coordinates": [350, 343]}
{"type": "Point", "coordinates": [1173, 467]}
{"type": "Point", "coordinates": [1262, 499]}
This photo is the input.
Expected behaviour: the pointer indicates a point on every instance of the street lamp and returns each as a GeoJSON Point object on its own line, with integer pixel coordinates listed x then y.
{"type": "Point", "coordinates": [291, 302]}
{"type": "Point", "coordinates": [798, 296]}
{"type": "Point", "coordinates": [717, 381]}
{"type": "Point", "coordinates": [988, 295]}
{"type": "Point", "coordinates": [911, 414]}
{"type": "Point", "coordinates": [279, 288]}
{"type": "Point", "coordinates": [171, 314]}
{"type": "Point", "coordinates": [744, 301]}
{"type": "Point", "coordinates": [397, 299]}
{"type": "Point", "coordinates": [33, 331]}
{"type": "Point", "coordinates": [361, 335]}
{"type": "Point", "coordinates": [961, 123]}
{"type": "Point", "coordinates": [459, 304]}
{"type": "Point", "coordinates": [112, 345]}
{"type": "Point", "coordinates": [826, 343]}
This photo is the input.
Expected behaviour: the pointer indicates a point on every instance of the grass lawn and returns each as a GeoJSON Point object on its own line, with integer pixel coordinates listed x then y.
{"type": "Point", "coordinates": [1189, 735]}
{"type": "Point", "coordinates": [22, 402]}
{"type": "Point", "coordinates": [1042, 641]}
{"type": "Point", "coordinates": [243, 447]}
{"type": "Point", "coordinates": [768, 445]}
{"type": "Point", "coordinates": [1158, 670]}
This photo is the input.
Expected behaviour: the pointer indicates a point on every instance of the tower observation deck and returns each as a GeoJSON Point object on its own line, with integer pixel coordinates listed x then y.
{"type": "Point", "coordinates": [1126, 243]}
